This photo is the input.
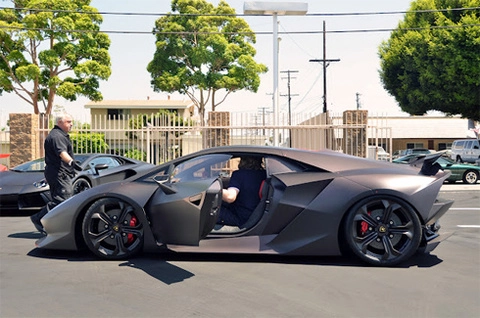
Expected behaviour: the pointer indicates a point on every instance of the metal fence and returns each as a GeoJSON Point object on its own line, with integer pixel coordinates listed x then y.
{"type": "Point", "coordinates": [158, 138]}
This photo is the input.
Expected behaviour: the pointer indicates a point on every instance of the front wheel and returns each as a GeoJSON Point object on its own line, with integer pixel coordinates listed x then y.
{"type": "Point", "coordinates": [470, 177]}
{"type": "Point", "coordinates": [112, 230]}
{"type": "Point", "coordinates": [382, 231]}
{"type": "Point", "coordinates": [81, 185]}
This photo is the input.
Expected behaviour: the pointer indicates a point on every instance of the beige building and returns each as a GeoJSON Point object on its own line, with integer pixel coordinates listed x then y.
{"type": "Point", "coordinates": [432, 132]}
{"type": "Point", "coordinates": [117, 109]}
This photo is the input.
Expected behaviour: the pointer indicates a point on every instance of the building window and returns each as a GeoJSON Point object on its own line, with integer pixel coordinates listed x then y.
{"type": "Point", "coordinates": [444, 146]}
{"type": "Point", "coordinates": [117, 114]}
{"type": "Point", "coordinates": [412, 145]}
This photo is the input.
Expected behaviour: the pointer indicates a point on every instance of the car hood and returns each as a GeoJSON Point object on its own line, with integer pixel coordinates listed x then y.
{"type": "Point", "coordinates": [15, 182]}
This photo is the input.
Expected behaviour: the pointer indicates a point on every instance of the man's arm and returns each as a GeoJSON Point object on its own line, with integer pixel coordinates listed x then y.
{"type": "Point", "coordinates": [230, 195]}
{"type": "Point", "coordinates": [66, 158]}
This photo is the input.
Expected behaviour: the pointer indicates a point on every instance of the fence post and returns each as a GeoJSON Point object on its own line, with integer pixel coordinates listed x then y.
{"type": "Point", "coordinates": [355, 139]}
{"type": "Point", "coordinates": [24, 138]}
{"type": "Point", "coordinates": [219, 134]}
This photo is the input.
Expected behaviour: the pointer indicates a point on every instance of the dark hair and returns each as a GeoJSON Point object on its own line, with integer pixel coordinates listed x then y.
{"type": "Point", "coordinates": [251, 163]}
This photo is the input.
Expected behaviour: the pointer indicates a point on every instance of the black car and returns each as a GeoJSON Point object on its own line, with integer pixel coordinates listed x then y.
{"type": "Point", "coordinates": [24, 187]}
{"type": "Point", "coordinates": [312, 203]}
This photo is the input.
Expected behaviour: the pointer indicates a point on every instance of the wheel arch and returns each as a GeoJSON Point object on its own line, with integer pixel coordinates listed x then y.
{"type": "Point", "coordinates": [149, 241]}
{"type": "Point", "coordinates": [85, 178]}
{"type": "Point", "coordinates": [379, 194]}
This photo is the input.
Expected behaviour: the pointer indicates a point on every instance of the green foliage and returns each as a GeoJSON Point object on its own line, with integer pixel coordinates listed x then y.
{"type": "Point", "coordinates": [207, 51]}
{"type": "Point", "coordinates": [136, 154]}
{"type": "Point", "coordinates": [164, 118]}
{"type": "Point", "coordinates": [435, 66]}
{"type": "Point", "coordinates": [88, 142]}
{"type": "Point", "coordinates": [52, 47]}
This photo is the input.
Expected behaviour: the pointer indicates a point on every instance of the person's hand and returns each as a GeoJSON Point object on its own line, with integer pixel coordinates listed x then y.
{"type": "Point", "coordinates": [76, 166]}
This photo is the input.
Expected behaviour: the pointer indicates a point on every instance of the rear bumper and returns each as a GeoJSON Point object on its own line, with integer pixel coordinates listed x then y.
{"type": "Point", "coordinates": [433, 243]}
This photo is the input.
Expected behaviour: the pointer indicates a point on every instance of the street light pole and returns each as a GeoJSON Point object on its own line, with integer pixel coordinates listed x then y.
{"type": "Point", "coordinates": [274, 9]}
{"type": "Point", "coordinates": [276, 94]}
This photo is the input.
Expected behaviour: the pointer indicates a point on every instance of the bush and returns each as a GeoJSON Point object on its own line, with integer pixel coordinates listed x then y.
{"type": "Point", "coordinates": [88, 142]}
{"type": "Point", "coordinates": [136, 154]}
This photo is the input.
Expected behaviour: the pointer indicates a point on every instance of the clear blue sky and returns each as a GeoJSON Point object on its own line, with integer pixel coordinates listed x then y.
{"type": "Point", "coordinates": [357, 72]}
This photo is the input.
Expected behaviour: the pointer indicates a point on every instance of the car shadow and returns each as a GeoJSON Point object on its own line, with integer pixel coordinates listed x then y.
{"type": "Point", "coordinates": [160, 267]}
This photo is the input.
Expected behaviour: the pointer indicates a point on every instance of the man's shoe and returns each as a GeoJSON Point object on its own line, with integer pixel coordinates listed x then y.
{"type": "Point", "coordinates": [37, 223]}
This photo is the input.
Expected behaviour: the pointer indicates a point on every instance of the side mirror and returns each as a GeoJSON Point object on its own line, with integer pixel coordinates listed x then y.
{"type": "Point", "coordinates": [100, 166]}
{"type": "Point", "coordinates": [162, 183]}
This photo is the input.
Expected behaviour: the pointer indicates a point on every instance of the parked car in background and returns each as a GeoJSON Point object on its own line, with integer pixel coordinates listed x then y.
{"type": "Point", "coordinates": [398, 154]}
{"type": "Point", "coordinates": [417, 151]}
{"type": "Point", "coordinates": [24, 187]}
{"type": "Point", "coordinates": [467, 173]}
{"type": "Point", "coordinates": [410, 151]}
{"type": "Point", "coordinates": [377, 153]}
{"type": "Point", "coordinates": [465, 150]}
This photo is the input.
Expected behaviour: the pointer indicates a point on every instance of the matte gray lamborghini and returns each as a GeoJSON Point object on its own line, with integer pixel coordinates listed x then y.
{"type": "Point", "coordinates": [312, 203]}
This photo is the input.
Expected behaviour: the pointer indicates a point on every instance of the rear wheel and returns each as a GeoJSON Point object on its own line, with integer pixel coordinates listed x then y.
{"type": "Point", "coordinates": [112, 230]}
{"type": "Point", "coordinates": [470, 177]}
{"type": "Point", "coordinates": [382, 231]}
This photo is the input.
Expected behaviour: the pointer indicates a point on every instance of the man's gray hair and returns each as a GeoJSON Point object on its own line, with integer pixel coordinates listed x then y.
{"type": "Point", "coordinates": [60, 117]}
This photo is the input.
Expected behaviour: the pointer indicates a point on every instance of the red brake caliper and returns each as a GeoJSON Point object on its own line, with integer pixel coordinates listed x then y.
{"type": "Point", "coordinates": [364, 226]}
{"type": "Point", "coordinates": [133, 222]}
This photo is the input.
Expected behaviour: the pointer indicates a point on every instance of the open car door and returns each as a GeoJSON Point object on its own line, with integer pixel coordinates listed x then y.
{"type": "Point", "coordinates": [187, 212]}
{"type": "Point", "coordinates": [185, 208]}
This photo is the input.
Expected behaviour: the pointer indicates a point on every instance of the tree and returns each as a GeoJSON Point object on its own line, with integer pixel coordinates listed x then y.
{"type": "Point", "coordinates": [432, 60]}
{"type": "Point", "coordinates": [206, 49]}
{"type": "Point", "coordinates": [52, 47]}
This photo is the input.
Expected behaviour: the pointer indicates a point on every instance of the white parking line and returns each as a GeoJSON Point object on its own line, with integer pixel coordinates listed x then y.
{"type": "Point", "coordinates": [470, 226]}
{"type": "Point", "coordinates": [470, 209]}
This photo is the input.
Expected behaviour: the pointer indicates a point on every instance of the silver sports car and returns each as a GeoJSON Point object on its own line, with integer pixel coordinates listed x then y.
{"type": "Point", "coordinates": [311, 203]}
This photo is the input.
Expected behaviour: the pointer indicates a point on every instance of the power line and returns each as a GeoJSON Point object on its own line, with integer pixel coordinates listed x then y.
{"type": "Point", "coordinates": [344, 14]}
{"type": "Point", "coordinates": [238, 33]}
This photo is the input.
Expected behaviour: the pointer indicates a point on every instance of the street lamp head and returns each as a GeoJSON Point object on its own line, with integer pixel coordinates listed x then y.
{"type": "Point", "coordinates": [275, 8]}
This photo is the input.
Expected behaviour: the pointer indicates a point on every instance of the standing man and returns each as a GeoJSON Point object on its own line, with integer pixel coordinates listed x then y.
{"type": "Point", "coordinates": [59, 166]}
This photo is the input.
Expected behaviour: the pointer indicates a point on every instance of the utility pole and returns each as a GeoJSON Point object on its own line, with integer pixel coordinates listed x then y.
{"type": "Point", "coordinates": [289, 95]}
{"type": "Point", "coordinates": [289, 103]}
{"type": "Point", "coordinates": [325, 63]}
{"type": "Point", "coordinates": [358, 101]}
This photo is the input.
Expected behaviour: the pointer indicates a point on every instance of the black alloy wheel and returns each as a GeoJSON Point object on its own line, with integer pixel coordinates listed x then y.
{"type": "Point", "coordinates": [382, 231]}
{"type": "Point", "coordinates": [112, 230]}
{"type": "Point", "coordinates": [81, 184]}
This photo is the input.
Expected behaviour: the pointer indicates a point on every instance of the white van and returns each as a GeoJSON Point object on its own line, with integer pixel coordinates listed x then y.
{"type": "Point", "coordinates": [466, 150]}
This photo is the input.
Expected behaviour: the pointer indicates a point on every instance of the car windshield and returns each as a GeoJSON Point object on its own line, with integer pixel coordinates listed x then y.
{"type": "Point", "coordinates": [31, 166]}
{"type": "Point", "coordinates": [81, 158]}
{"type": "Point", "coordinates": [445, 161]}
{"type": "Point", "coordinates": [38, 165]}
{"type": "Point", "coordinates": [204, 167]}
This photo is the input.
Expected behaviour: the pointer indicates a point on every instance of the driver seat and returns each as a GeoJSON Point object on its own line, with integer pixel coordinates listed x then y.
{"type": "Point", "coordinates": [265, 192]}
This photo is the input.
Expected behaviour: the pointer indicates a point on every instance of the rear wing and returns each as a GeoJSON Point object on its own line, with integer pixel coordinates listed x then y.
{"type": "Point", "coordinates": [427, 163]}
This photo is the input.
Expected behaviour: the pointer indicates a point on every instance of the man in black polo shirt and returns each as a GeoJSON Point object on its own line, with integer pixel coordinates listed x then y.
{"type": "Point", "coordinates": [59, 166]}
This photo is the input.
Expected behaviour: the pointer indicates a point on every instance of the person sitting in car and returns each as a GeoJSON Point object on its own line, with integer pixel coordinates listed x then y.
{"type": "Point", "coordinates": [241, 197]}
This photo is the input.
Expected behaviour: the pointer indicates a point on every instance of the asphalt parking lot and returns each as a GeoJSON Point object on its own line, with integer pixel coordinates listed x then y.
{"type": "Point", "coordinates": [446, 283]}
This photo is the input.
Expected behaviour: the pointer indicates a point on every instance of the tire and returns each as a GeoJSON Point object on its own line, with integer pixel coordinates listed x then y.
{"type": "Point", "coordinates": [382, 231]}
{"type": "Point", "coordinates": [112, 229]}
{"type": "Point", "coordinates": [81, 184]}
{"type": "Point", "coordinates": [470, 177]}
